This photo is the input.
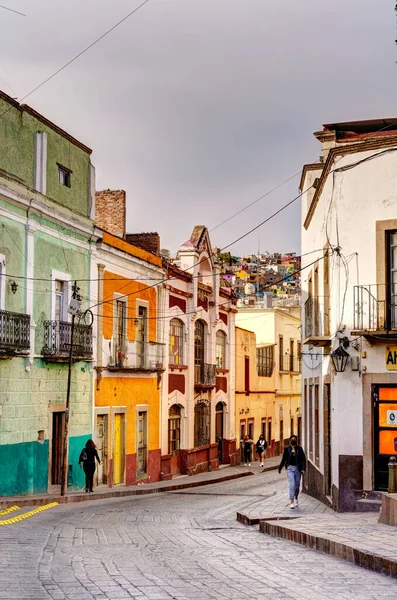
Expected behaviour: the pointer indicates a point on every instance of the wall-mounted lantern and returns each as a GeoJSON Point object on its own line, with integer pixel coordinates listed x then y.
{"type": "Point", "coordinates": [340, 357]}
{"type": "Point", "coordinates": [14, 287]}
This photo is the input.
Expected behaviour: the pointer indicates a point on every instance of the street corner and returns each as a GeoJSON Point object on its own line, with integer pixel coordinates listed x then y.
{"type": "Point", "coordinates": [13, 518]}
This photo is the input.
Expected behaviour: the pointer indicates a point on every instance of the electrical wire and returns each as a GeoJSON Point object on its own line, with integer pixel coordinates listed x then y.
{"type": "Point", "coordinates": [12, 10]}
{"type": "Point", "coordinates": [72, 60]}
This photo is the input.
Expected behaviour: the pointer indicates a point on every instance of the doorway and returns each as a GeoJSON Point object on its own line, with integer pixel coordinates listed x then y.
{"type": "Point", "coordinates": [118, 449]}
{"type": "Point", "coordinates": [101, 437]}
{"type": "Point", "coordinates": [327, 439]}
{"type": "Point", "coordinates": [58, 428]}
{"type": "Point", "coordinates": [219, 429]}
{"type": "Point", "coordinates": [142, 444]}
{"type": "Point", "coordinates": [385, 434]}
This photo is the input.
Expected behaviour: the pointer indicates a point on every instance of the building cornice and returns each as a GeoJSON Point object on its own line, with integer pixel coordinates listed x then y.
{"type": "Point", "coordinates": [306, 169]}
{"type": "Point", "coordinates": [376, 144]}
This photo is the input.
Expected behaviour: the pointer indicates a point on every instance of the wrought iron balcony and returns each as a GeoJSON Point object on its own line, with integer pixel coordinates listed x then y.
{"type": "Point", "coordinates": [57, 340]}
{"type": "Point", "coordinates": [375, 310]}
{"type": "Point", "coordinates": [14, 332]}
{"type": "Point", "coordinates": [205, 375]}
{"type": "Point", "coordinates": [148, 356]}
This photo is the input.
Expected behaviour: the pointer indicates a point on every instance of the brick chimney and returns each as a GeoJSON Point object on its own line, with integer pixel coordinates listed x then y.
{"type": "Point", "coordinates": [110, 211]}
{"type": "Point", "coordinates": [147, 241]}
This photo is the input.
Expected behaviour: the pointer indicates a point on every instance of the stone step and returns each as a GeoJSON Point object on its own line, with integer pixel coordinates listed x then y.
{"type": "Point", "coordinates": [368, 505]}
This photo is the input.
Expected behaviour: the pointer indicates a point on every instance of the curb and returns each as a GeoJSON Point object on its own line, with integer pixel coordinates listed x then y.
{"type": "Point", "coordinates": [245, 520]}
{"type": "Point", "coordinates": [372, 562]}
{"type": "Point", "coordinates": [142, 491]}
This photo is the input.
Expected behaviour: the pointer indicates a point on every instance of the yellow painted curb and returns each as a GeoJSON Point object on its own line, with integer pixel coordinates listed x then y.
{"type": "Point", "coordinates": [26, 515]}
{"type": "Point", "coordinates": [8, 510]}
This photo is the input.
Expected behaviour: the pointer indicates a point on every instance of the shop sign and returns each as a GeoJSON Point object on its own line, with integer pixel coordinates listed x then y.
{"type": "Point", "coordinates": [391, 358]}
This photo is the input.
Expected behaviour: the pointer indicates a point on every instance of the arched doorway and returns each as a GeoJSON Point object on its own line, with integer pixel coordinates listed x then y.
{"type": "Point", "coordinates": [219, 429]}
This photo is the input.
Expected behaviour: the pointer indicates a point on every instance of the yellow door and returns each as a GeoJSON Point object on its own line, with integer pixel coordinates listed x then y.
{"type": "Point", "coordinates": [118, 449]}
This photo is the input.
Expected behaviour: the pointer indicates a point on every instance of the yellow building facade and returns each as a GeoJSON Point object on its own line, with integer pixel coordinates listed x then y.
{"type": "Point", "coordinates": [276, 375]}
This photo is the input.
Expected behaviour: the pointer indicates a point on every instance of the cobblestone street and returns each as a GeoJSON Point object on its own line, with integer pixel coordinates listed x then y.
{"type": "Point", "coordinates": [181, 545]}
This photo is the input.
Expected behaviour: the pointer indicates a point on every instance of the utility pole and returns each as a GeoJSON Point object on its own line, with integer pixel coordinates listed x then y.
{"type": "Point", "coordinates": [74, 309]}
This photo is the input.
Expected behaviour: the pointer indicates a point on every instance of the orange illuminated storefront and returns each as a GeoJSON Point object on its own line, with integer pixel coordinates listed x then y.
{"type": "Point", "coordinates": [129, 363]}
{"type": "Point", "coordinates": [385, 438]}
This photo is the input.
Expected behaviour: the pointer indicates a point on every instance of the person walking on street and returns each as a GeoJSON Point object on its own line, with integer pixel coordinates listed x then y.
{"type": "Point", "coordinates": [261, 446]}
{"type": "Point", "coordinates": [294, 460]}
{"type": "Point", "coordinates": [247, 450]}
{"type": "Point", "coordinates": [87, 462]}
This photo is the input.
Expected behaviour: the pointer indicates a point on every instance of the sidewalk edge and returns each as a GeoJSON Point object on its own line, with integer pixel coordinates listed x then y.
{"type": "Point", "coordinates": [118, 493]}
{"type": "Point", "coordinates": [361, 558]}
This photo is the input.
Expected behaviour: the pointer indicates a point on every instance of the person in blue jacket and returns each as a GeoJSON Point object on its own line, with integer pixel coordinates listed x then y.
{"type": "Point", "coordinates": [294, 460]}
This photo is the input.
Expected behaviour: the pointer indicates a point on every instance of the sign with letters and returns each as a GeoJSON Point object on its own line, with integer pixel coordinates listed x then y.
{"type": "Point", "coordinates": [391, 358]}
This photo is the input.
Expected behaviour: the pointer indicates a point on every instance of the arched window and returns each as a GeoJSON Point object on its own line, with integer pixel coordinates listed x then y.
{"type": "Point", "coordinates": [174, 429]}
{"type": "Point", "coordinates": [176, 342]}
{"type": "Point", "coordinates": [220, 350]}
{"type": "Point", "coordinates": [199, 351]}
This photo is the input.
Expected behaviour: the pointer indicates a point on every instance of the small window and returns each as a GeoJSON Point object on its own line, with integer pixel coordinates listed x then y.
{"type": "Point", "coordinates": [64, 176]}
{"type": "Point", "coordinates": [59, 300]}
{"type": "Point", "coordinates": [265, 361]}
{"type": "Point", "coordinates": [220, 350]}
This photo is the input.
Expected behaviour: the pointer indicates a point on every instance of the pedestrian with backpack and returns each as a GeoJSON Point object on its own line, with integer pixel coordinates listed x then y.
{"type": "Point", "coordinates": [294, 460]}
{"type": "Point", "coordinates": [261, 446]}
{"type": "Point", "coordinates": [87, 459]}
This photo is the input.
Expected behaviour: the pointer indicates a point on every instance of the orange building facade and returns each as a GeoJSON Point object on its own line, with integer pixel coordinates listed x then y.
{"type": "Point", "coordinates": [129, 362]}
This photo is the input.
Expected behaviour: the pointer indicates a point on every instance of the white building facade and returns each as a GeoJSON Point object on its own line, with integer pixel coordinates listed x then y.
{"type": "Point", "coordinates": [197, 411]}
{"type": "Point", "coordinates": [349, 285]}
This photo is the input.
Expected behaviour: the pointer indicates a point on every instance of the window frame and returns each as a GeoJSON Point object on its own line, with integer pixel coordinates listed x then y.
{"type": "Point", "coordinates": [265, 361]}
{"type": "Point", "coordinates": [3, 279]}
{"type": "Point", "coordinates": [174, 442]}
{"type": "Point", "coordinates": [117, 347]}
{"type": "Point", "coordinates": [65, 172]}
{"type": "Point", "coordinates": [178, 334]}
{"type": "Point", "coordinates": [66, 279]}
{"type": "Point", "coordinates": [220, 335]}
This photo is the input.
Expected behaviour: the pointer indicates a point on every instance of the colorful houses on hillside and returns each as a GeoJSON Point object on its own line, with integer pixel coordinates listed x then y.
{"type": "Point", "coordinates": [152, 353]}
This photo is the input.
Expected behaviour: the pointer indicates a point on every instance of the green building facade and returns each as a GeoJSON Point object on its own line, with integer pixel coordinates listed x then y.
{"type": "Point", "coordinates": [47, 195]}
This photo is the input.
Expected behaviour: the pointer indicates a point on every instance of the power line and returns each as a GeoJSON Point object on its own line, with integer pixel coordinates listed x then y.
{"type": "Point", "coordinates": [255, 201]}
{"type": "Point", "coordinates": [72, 60]}
{"type": "Point", "coordinates": [213, 254]}
{"type": "Point", "coordinates": [12, 10]}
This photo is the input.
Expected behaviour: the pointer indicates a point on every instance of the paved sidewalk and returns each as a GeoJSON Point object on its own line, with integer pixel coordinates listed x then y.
{"type": "Point", "coordinates": [356, 537]}
{"type": "Point", "coordinates": [182, 482]}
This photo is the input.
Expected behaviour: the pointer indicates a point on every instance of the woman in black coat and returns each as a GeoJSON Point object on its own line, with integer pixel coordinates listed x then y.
{"type": "Point", "coordinates": [87, 462]}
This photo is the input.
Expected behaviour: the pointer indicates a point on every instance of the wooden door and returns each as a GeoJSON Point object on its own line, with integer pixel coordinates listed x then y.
{"type": "Point", "coordinates": [142, 444]}
{"type": "Point", "coordinates": [118, 449]}
{"type": "Point", "coordinates": [101, 439]}
{"type": "Point", "coordinates": [58, 427]}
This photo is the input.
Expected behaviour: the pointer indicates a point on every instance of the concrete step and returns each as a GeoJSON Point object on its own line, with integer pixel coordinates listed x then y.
{"type": "Point", "coordinates": [368, 505]}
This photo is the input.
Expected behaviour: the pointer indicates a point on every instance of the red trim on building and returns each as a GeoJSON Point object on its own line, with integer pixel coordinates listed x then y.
{"type": "Point", "coordinates": [176, 382]}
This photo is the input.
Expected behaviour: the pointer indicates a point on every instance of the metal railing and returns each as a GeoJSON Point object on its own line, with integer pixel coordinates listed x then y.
{"type": "Point", "coordinates": [146, 356]}
{"type": "Point", "coordinates": [290, 363]}
{"type": "Point", "coordinates": [375, 307]}
{"type": "Point", "coordinates": [205, 374]}
{"type": "Point", "coordinates": [14, 331]}
{"type": "Point", "coordinates": [57, 339]}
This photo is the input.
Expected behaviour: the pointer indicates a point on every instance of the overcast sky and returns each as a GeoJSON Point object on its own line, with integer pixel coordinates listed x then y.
{"type": "Point", "coordinates": [197, 107]}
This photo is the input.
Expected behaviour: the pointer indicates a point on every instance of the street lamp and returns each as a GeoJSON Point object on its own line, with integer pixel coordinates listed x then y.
{"type": "Point", "coordinates": [340, 359]}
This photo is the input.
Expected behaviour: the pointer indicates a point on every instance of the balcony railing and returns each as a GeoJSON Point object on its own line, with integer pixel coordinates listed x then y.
{"type": "Point", "coordinates": [148, 356]}
{"type": "Point", "coordinates": [375, 307]}
{"type": "Point", "coordinates": [14, 332]}
{"type": "Point", "coordinates": [290, 363]}
{"type": "Point", "coordinates": [205, 374]}
{"type": "Point", "coordinates": [57, 339]}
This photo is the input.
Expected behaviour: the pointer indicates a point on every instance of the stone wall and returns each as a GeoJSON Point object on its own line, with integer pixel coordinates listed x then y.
{"type": "Point", "coordinates": [147, 241]}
